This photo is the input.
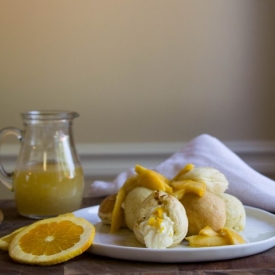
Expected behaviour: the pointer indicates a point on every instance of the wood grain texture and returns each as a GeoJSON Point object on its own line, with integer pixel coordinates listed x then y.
{"type": "Point", "coordinates": [1, 216]}
{"type": "Point", "coordinates": [263, 263]}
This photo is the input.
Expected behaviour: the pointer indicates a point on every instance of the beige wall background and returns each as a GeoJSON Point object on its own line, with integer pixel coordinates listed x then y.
{"type": "Point", "coordinates": [142, 71]}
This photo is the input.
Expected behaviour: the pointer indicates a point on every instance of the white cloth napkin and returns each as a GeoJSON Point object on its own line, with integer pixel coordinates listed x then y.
{"type": "Point", "coordinates": [251, 187]}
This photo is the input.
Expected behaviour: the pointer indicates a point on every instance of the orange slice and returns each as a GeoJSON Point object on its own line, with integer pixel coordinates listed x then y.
{"type": "Point", "coordinates": [52, 241]}
{"type": "Point", "coordinates": [6, 240]}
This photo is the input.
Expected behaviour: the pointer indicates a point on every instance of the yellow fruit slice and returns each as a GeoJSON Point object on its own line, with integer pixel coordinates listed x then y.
{"type": "Point", "coordinates": [184, 170]}
{"type": "Point", "coordinates": [205, 241]}
{"type": "Point", "coordinates": [208, 237]}
{"type": "Point", "coordinates": [188, 186]}
{"type": "Point", "coordinates": [117, 216]}
{"type": "Point", "coordinates": [232, 236]}
{"type": "Point", "coordinates": [52, 241]}
{"type": "Point", "coordinates": [208, 231]}
{"type": "Point", "coordinates": [6, 240]}
{"type": "Point", "coordinates": [152, 180]}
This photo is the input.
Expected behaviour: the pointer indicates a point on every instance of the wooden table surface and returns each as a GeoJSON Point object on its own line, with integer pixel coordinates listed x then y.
{"type": "Point", "coordinates": [87, 263]}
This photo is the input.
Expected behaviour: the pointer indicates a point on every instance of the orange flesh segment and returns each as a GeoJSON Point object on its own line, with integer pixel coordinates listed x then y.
{"type": "Point", "coordinates": [55, 230]}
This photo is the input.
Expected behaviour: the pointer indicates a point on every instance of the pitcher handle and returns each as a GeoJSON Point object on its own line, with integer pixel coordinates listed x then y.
{"type": "Point", "coordinates": [6, 177]}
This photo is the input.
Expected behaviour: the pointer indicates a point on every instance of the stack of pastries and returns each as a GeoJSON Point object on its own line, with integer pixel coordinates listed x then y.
{"type": "Point", "coordinates": [162, 212]}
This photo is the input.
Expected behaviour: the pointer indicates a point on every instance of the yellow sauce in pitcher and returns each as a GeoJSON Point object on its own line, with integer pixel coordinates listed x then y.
{"type": "Point", "coordinates": [45, 191]}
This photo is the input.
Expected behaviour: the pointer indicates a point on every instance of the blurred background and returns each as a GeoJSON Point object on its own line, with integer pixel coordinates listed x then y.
{"type": "Point", "coordinates": [142, 72]}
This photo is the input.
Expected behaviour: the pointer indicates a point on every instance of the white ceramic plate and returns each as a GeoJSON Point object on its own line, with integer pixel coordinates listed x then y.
{"type": "Point", "coordinates": [259, 234]}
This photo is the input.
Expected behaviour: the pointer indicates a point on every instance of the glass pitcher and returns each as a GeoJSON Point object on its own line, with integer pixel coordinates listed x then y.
{"type": "Point", "coordinates": [48, 178]}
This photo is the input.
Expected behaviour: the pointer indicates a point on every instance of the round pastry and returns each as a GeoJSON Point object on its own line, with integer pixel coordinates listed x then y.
{"type": "Point", "coordinates": [235, 212]}
{"type": "Point", "coordinates": [215, 181]}
{"type": "Point", "coordinates": [208, 210]}
{"type": "Point", "coordinates": [161, 221]}
{"type": "Point", "coordinates": [106, 208]}
{"type": "Point", "coordinates": [132, 203]}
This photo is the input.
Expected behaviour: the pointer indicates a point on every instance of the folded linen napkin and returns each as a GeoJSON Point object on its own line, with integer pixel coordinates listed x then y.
{"type": "Point", "coordinates": [251, 187]}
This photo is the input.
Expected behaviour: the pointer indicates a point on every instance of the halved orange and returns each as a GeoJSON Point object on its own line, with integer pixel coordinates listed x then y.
{"type": "Point", "coordinates": [52, 241]}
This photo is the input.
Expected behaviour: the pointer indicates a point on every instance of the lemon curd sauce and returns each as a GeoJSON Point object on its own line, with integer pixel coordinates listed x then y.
{"type": "Point", "coordinates": [48, 191]}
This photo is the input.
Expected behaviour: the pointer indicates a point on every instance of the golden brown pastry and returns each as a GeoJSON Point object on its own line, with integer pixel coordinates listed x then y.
{"type": "Point", "coordinates": [161, 221]}
{"type": "Point", "coordinates": [106, 208]}
{"type": "Point", "coordinates": [208, 210]}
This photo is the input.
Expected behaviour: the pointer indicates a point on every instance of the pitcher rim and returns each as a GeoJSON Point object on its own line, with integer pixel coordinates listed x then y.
{"type": "Point", "coordinates": [49, 114]}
